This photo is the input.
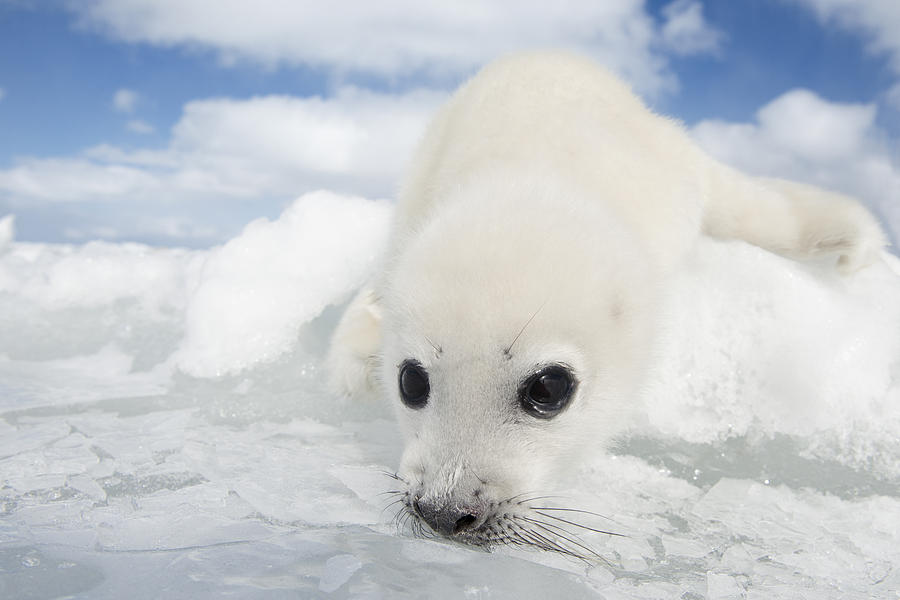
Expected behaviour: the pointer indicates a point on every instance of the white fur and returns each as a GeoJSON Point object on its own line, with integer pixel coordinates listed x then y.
{"type": "Point", "coordinates": [545, 189]}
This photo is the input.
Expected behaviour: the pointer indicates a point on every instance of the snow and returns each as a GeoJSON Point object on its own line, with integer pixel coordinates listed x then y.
{"type": "Point", "coordinates": [165, 431]}
{"type": "Point", "coordinates": [256, 290]}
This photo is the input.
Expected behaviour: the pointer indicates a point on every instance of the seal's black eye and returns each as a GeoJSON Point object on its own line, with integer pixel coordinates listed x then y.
{"type": "Point", "coordinates": [546, 393]}
{"type": "Point", "coordinates": [414, 387]}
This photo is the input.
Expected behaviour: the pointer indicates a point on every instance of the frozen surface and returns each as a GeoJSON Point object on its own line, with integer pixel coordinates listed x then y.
{"type": "Point", "coordinates": [164, 432]}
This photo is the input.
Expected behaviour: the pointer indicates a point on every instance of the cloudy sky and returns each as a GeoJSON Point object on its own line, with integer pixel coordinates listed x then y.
{"type": "Point", "coordinates": [177, 121]}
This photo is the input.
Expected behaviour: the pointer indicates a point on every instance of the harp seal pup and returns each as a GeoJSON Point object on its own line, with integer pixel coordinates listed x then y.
{"type": "Point", "coordinates": [542, 215]}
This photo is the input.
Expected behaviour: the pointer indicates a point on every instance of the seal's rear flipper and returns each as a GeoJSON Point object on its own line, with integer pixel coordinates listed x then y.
{"type": "Point", "coordinates": [354, 346]}
{"type": "Point", "coordinates": [796, 220]}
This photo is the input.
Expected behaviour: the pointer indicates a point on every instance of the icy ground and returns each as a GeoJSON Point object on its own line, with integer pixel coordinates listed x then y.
{"type": "Point", "coordinates": [164, 432]}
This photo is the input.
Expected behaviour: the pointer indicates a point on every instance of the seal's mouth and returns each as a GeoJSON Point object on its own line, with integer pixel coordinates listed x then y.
{"type": "Point", "coordinates": [524, 520]}
{"type": "Point", "coordinates": [525, 527]}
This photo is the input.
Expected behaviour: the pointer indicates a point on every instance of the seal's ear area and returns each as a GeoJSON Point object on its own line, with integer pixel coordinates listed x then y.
{"type": "Point", "coordinates": [796, 220]}
{"type": "Point", "coordinates": [353, 353]}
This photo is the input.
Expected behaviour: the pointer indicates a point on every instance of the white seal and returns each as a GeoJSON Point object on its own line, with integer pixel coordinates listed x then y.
{"type": "Point", "coordinates": [544, 211]}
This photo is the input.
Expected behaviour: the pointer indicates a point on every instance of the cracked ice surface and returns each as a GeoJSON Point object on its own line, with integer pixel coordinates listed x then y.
{"type": "Point", "coordinates": [164, 432]}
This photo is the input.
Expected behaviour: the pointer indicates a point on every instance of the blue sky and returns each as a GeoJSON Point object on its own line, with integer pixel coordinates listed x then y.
{"type": "Point", "coordinates": [160, 166]}
{"type": "Point", "coordinates": [771, 46]}
{"type": "Point", "coordinates": [60, 79]}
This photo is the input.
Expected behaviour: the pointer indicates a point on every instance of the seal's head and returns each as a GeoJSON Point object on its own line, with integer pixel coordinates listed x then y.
{"type": "Point", "coordinates": [514, 335]}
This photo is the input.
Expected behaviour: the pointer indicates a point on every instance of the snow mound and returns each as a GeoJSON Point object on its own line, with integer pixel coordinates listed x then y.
{"type": "Point", "coordinates": [758, 345]}
{"type": "Point", "coordinates": [256, 291]}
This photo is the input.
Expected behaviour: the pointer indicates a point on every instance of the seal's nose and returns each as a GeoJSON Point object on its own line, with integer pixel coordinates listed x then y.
{"type": "Point", "coordinates": [447, 518]}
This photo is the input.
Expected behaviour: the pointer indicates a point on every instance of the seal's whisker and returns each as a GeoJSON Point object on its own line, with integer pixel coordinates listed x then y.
{"type": "Point", "coordinates": [480, 478]}
{"type": "Point", "coordinates": [417, 529]}
{"type": "Point", "coordinates": [575, 542]}
{"type": "Point", "coordinates": [538, 540]}
{"type": "Point", "coordinates": [438, 350]}
{"type": "Point", "coordinates": [511, 498]}
{"type": "Point", "coordinates": [545, 542]}
{"type": "Point", "coordinates": [508, 350]}
{"type": "Point", "coordinates": [502, 537]}
{"type": "Point", "coordinates": [544, 523]}
{"type": "Point", "coordinates": [548, 544]}
{"type": "Point", "coordinates": [518, 533]}
{"type": "Point", "coordinates": [525, 500]}
{"type": "Point", "coordinates": [580, 525]}
{"type": "Point", "coordinates": [557, 530]}
{"type": "Point", "coordinates": [392, 503]}
{"type": "Point", "coordinates": [392, 475]}
{"type": "Point", "coordinates": [403, 518]}
{"type": "Point", "coordinates": [578, 510]}
{"type": "Point", "coordinates": [395, 502]}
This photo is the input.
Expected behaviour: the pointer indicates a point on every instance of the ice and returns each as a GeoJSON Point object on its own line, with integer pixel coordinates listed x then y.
{"type": "Point", "coordinates": [165, 432]}
{"type": "Point", "coordinates": [723, 587]}
{"type": "Point", "coordinates": [338, 569]}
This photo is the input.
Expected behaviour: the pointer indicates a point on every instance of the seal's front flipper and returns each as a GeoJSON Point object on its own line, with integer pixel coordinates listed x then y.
{"type": "Point", "coordinates": [792, 219]}
{"type": "Point", "coordinates": [354, 346]}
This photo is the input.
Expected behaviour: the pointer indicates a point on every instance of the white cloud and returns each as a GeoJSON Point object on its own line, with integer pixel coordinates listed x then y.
{"type": "Point", "coordinates": [138, 126]}
{"type": "Point", "coordinates": [878, 19]}
{"type": "Point", "coordinates": [243, 148]}
{"type": "Point", "coordinates": [804, 124]}
{"type": "Point", "coordinates": [71, 180]}
{"type": "Point", "coordinates": [804, 137]}
{"type": "Point", "coordinates": [125, 100]}
{"type": "Point", "coordinates": [356, 133]}
{"type": "Point", "coordinates": [253, 153]}
{"type": "Point", "coordinates": [171, 228]}
{"type": "Point", "coordinates": [7, 231]}
{"type": "Point", "coordinates": [405, 37]}
{"type": "Point", "coordinates": [686, 32]}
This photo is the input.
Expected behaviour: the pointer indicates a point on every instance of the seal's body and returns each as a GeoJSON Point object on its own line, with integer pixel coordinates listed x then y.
{"type": "Point", "coordinates": [544, 211]}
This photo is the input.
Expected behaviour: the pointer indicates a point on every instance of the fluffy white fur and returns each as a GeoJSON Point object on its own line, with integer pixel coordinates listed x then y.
{"type": "Point", "coordinates": [545, 190]}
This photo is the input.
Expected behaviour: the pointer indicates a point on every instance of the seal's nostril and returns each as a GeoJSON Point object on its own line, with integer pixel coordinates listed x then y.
{"type": "Point", "coordinates": [446, 518]}
{"type": "Point", "coordinates": [463, 523]}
